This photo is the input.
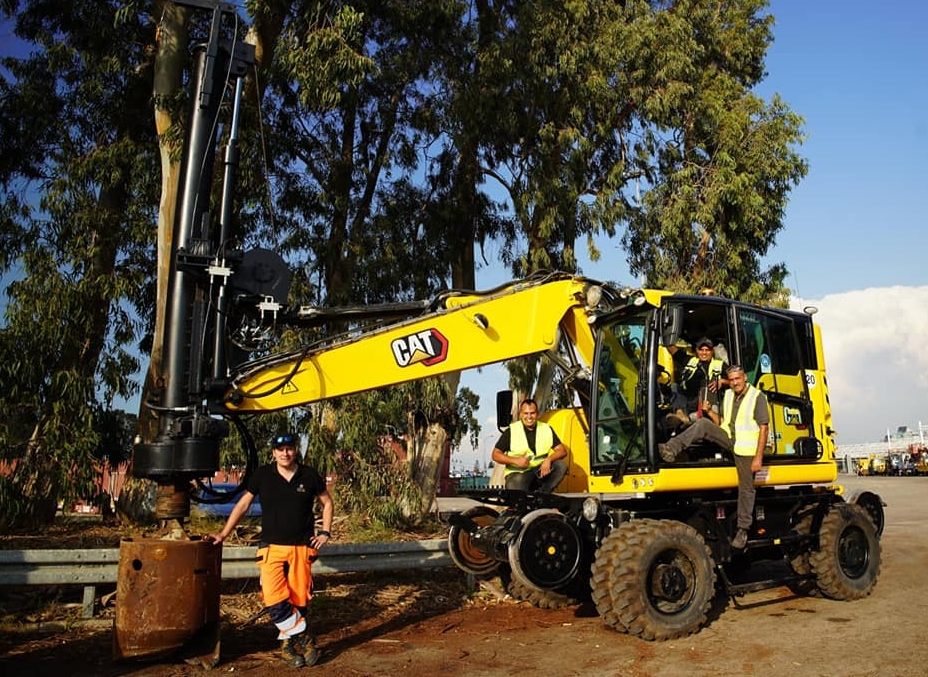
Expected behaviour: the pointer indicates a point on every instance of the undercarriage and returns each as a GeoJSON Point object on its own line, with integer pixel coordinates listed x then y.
{"type": "Point", "coordinates": [652, 565]}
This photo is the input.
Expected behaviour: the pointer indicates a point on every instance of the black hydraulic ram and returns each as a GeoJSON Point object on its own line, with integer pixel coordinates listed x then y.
{"type": "Point", "coordinates": [186, 443]}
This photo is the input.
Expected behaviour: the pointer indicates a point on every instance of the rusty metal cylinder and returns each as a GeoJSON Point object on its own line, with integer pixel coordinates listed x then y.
{"type": "Point", "coordinates": [167, 600]}
{"type": "Point", "coordinates": [173, 500]}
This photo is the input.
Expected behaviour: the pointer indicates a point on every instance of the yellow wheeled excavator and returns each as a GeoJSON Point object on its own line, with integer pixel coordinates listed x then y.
{"type": "Point", "coordinates": [648, 541]}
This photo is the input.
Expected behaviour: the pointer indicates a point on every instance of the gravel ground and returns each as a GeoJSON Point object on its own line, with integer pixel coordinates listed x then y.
{"type": "Point", "coordinates": [432, 624]}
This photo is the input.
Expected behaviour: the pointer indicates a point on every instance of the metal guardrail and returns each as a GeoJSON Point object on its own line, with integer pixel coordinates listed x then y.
{"type": "Point", "coordinates": [97, 566]}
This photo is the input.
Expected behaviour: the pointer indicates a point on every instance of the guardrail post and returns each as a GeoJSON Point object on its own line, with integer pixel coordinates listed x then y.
{"type": "Point", "coordinates": [90, 594]}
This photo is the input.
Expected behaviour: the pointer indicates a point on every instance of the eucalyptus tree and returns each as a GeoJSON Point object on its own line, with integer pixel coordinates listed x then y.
{"type": "Point", "coordinates": [79, 178]}
{"type": "Point", "coordinates": [358, 211]}
{"type": "Point", "coordinates": [721, 159]}
{"type": "Point", "coordinates": [635, 122]}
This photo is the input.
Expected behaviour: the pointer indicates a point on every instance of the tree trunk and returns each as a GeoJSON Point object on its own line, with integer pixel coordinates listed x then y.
{"type": "Point", "coordinates": [137, 498]}
{"type": "Point", "coordinates": [433, 444]}
{"type": "Point", "coordinates": [428, 444]}
{"type": "Point", "coordinates": [36, 474]}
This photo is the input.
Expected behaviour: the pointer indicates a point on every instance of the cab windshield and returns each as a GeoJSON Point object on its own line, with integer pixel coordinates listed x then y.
{"type": "Point", "coordinates": [618, 435]}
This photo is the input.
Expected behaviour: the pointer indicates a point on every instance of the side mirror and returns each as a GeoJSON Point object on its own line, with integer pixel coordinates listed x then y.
{"type": "Point", "coordinates": [503, 409]}
{"type": "Point", "coordinates": [671, 325]}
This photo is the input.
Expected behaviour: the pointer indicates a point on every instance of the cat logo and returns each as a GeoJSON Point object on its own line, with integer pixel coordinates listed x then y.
{"type": "Point", "coordinates": [428, 347]}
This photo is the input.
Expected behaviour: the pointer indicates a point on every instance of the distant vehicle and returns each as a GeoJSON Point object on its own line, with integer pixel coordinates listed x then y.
{"type": "Point", "coordinates": [217, 509]}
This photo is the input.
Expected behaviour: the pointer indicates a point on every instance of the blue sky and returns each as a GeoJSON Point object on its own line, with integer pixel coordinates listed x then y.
{"type": "Point", "coordinates": [856, 228]}
{"type": "Point", "coordinates": [858, 73]}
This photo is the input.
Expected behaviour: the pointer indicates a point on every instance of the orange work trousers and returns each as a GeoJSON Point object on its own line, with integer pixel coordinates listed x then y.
{"type": "Point", "coordinates": [286, 573]}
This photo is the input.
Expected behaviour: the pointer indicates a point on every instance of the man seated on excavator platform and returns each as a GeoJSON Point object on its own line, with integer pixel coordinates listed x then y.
{"type": "Point", "coordinates": [531, 452]}
{"type": "Point", "coordinates": [700, 385]}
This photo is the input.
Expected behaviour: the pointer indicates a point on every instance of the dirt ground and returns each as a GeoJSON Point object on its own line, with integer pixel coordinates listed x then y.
{"type": "Point", "coordinates": [431, 624]}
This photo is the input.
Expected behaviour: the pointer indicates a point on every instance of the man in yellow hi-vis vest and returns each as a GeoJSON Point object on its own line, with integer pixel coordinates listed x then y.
{"type": "Point", "coordinates": [743, 431]}
{"type": "Point", "coordinates": [701, 382]}
{"type": "Point", "coordinates": [532, 453]}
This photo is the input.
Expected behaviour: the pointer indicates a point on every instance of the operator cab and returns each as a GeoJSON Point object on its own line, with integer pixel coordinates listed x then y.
{"type": "Point", "coordinates": [640, 355]}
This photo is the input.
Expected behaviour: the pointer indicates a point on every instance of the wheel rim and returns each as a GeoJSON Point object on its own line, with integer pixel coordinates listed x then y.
{"type": "Point", "coordinates": [462, 550]}
{"type": "Point", "coordinates": [671, 582]}
{"type": "Point", "coordinates": [547, 551]}
{"type": "Point", "coordinates": [854, 552]}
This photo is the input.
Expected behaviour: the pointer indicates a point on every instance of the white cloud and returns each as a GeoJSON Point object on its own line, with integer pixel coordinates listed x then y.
{"type": "Point", "coordinates": [876, 357]}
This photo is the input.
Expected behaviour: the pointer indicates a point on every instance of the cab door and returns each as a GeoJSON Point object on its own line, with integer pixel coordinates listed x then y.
{"type": "Point", "coordinates": [773, 352]}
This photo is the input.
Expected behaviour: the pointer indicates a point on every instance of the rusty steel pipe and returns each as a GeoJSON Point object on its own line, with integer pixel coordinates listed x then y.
{"type": "Point", "coordinates": [167, 600]}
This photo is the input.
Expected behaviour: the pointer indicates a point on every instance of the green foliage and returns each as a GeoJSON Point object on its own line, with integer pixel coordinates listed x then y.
{"type": "Point", "coordinates": [371, 481]}
{"type": "Point", "coordinates": [358, 529]}
{"type": "Point", "coordinates": [321, 51]}
{"type": "Point", "coordinates": [82, 187]}
{"type": "Point", "coordinates": [364, 442]}
{"type": "Point", "coordinates": [723, 159]}
{"type": "Point", "coordinates": [13, 505]}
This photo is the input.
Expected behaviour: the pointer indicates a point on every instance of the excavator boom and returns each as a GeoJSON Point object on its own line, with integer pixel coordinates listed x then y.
{"type": "Point", "coordinates": [466, 330]}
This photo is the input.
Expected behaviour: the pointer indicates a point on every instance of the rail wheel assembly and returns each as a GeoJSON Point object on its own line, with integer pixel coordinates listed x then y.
{"type": "Point", "coordinates": [547, 552]}
{"type": "Point", "coordinates": [462, 550]}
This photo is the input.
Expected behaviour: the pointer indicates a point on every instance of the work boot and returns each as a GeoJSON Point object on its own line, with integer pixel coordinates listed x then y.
{"type": "Point", "coordinates": [675, 421]}
{"type": "Point", "coordinates": [288, 649]}
{"type": "Point", "coordinates": [305, 643]}
{"type": "Point", "coordinates": [740, 540]}
{"type": "Point", "coordinates": [666, 454]}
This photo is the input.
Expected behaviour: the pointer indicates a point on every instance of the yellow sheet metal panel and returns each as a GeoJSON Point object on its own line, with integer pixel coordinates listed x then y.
{"type": "Point", "coordinates": [697, 479]}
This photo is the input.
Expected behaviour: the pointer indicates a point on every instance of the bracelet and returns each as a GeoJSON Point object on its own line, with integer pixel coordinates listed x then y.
{"type": "Point", "coordinates": [323, 532]}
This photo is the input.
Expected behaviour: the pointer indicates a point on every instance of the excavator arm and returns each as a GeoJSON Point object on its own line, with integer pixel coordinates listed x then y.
{"type": "Point", "coordinates": [463, 330]}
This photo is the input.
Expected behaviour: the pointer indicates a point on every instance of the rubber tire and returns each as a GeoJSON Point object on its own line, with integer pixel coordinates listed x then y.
{"type": "Point", "coordinates": [543, 599]}
{"type": "Point", "coordinates": [847, 562]}
{"type": "Point", "coordinates": [463, 553]}
{"type": "Point", "coordinates": [630, 564]}
{"type": "Point", "coordinates": [872, 504]}
{"type": "Point", "coordinates": [800, 561]}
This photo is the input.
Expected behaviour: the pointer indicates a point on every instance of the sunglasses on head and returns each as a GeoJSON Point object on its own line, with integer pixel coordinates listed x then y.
{"type": "Point", "coordinates": [282, 440]}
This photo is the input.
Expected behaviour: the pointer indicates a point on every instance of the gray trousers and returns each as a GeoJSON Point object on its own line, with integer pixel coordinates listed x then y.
{"type": "Point", "coordinates": [746, 491]}
{"type": "Point", "coordinates": [529, 480]}
{"type": "Point", "coordinates": [704, 430]}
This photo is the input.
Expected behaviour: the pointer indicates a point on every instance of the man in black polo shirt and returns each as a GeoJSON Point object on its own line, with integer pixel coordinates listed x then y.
{"type": "Point", "coordinates": [532, 453]}
{"type": "Point", "coordinates": [289, 543]}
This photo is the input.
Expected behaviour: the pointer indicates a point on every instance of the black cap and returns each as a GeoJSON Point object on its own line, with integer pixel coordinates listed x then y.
{"type": "Point", "coordinates": [704, 341]}
{"type": "Point", "coordinates": [284, 439]}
